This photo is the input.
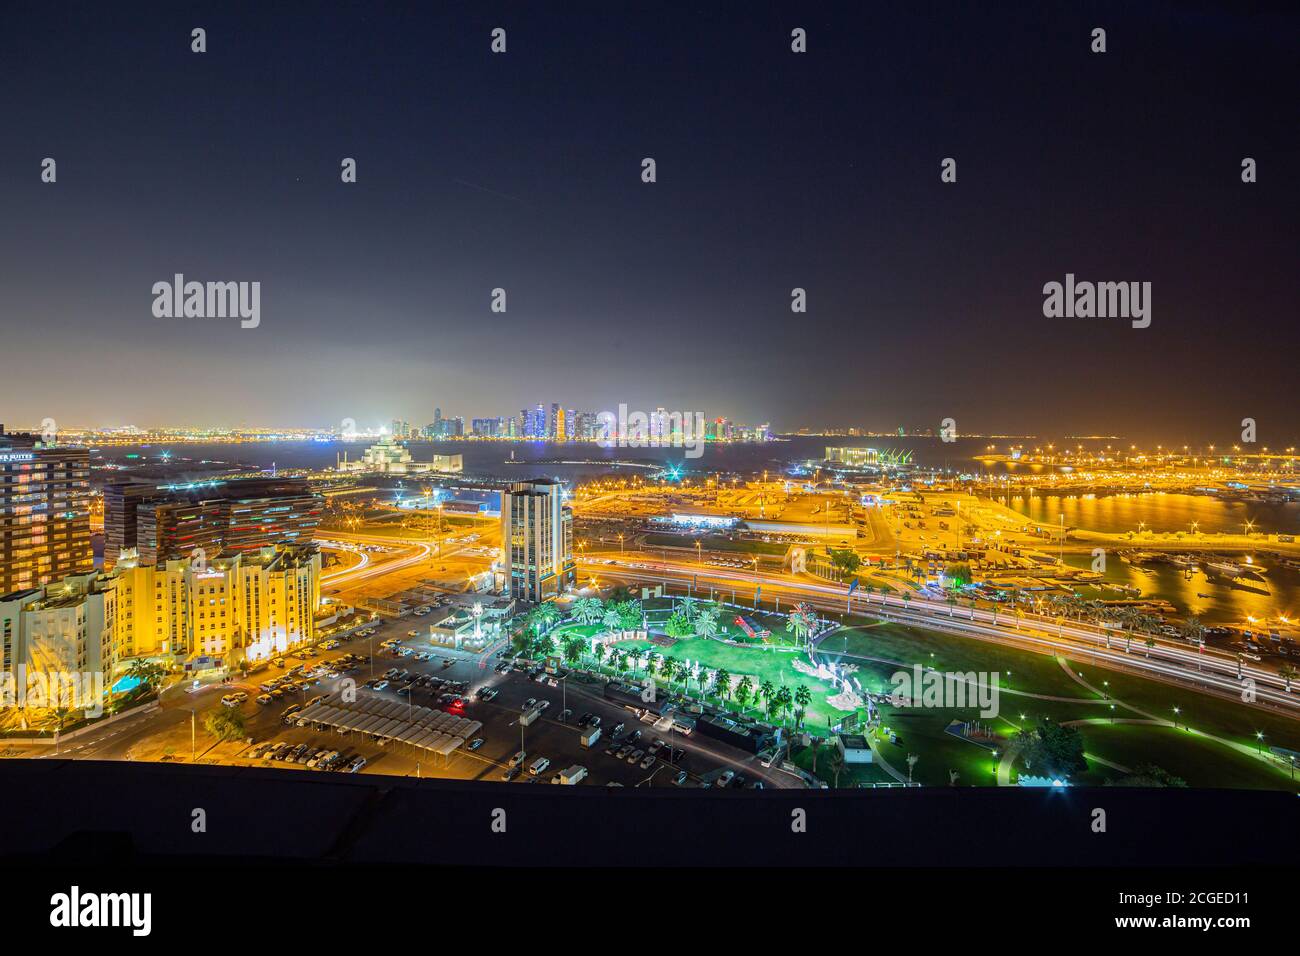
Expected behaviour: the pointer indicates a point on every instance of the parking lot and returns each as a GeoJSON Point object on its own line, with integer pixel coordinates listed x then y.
{"type": "Point", "coordinates": [468, 685]}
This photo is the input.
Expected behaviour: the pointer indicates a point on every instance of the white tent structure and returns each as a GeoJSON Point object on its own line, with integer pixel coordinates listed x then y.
{"type": "Point", "coordinates": [421, 728]}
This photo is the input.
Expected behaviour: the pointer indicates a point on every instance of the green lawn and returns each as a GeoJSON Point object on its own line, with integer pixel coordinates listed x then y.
{"type": "Point", "coordinates": [1212, 715]}
{"type": "Point", "coordinates": [1200, 761]}
{"type": "Point", "coordinates": [921, 732]}
{"type": "Point", "coordinates": [1037, 673]}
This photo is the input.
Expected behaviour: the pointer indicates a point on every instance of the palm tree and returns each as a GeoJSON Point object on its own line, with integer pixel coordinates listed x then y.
{"type": "Point", "coordinates": [1288, 674]}
{"type": "Point", "coordinates": [548, 614]}
{"type": "Point", "coordinates": [836, 759]}
{"type": "Point", "coordinates": [911, 762]}
{"type": "Point", "coordinates": [1150, 643]}
{"type": "Point", "coordinates": [797, 624]}
{"type": "Point", "coordinates": [1128, 620]}
{"type": "Point", "coordinates": [784, 700]}
{"type": "Point", "coordinates": [681, 672]}
{"type": "Point", "coordinates": [766, 691]}
{"type": "Point", "coordinates": [706, 624]}
{"type": "Point", "coordinates": [802, 697]}
{"type": "Point", "coordinates": [722, 682]}
{"type": "Point", "coordinates": [589, 610]}
{"type": "Point", "coordinates": [743, 691]}
{"type": "Point", "coordinates": [951, 600]}
{"type": "Point", "coordinates": [146, 671]}
{"type": "Point", "coordinates": [572, 650]}
{"type": "Point", "coordinates": [611, 620]}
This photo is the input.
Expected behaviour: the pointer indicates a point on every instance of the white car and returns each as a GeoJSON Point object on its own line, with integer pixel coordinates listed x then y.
{"type": "Point", "coordinates": [726, 778]}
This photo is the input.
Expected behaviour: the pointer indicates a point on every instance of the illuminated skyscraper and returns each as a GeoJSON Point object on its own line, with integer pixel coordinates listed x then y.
{"type": "Point", "coordinates": [537, 541]}
{"type": "Point", "coordinates": [44, 511]}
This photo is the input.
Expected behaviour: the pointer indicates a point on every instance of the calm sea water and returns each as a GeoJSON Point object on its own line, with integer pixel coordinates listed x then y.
{"type": "Point", "coordinates": [1278, 593]}
{"type": "Point", "coordinates": [1115, 514]}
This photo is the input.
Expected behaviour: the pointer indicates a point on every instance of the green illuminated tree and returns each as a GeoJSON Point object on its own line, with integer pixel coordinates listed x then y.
{"type": "Point", "coordinates": [706, 623]}
{"type": "Point", "coordinates": [722, 683]}
{"type": "Point", "coordinates": [802, 697]}
{"type": "Point", "coordinates": [588, 610]}
{"type": "Point", "coordinates": [744, 689]}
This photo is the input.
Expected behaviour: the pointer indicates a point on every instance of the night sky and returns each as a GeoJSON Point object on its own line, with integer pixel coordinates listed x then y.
{"type": "Point", "coordinates": [775, 170]}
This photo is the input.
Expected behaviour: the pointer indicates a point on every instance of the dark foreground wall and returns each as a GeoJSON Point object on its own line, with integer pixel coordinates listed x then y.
{"type": "Point", "coordinates": [55, 809]}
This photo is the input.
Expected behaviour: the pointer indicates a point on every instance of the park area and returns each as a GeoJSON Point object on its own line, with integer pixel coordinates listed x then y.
{"type": "Point", "coordinates": [1127, 724]}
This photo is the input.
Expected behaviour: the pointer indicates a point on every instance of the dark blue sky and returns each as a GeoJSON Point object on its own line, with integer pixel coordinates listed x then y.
{"type": "Point", "coordinates": [775, 170]}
